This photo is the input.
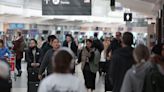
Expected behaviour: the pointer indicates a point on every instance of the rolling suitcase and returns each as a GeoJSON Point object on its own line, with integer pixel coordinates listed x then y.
{"type": "Point", "coordinates": [33, 74]}
{"type": "Point", "coordinates": [33, 86]}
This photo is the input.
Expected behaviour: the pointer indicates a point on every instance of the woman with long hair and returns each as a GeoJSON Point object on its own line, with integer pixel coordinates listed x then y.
{"type": "Point", "coordinates": [90, 58]}
{"type": "Point", "coordinates": [104, 60]}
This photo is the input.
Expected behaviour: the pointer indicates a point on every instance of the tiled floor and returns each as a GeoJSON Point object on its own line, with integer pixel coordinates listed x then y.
{"type": "Point", "coordinates": [20, 85]}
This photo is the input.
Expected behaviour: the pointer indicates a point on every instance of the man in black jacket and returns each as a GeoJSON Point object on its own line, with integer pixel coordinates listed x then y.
{"type": "Point", "coordinates": [116, 43]}
{"type": "Point", "coordinates": [122, 60]}
{"type": "Point", "coordinates": [32, 55]}
{"type": "Point", "coordinates": [97, 43]}
{"type": "Point", "coordinates": [70, 43]}
{"type": "Point", "coordinates": [46, 46]}
{"type": "Point", "coordinates": [47, 59]}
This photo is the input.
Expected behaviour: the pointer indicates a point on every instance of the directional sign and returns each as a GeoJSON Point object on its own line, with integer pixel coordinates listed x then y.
{"type": "Point", "coordinates": [66, 7]}
{"type": "Point", "coordinates": [127, 16]}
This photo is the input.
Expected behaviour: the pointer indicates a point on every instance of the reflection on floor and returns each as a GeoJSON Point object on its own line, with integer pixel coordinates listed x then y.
{"type": "Point", "coordinates": [20, 85]}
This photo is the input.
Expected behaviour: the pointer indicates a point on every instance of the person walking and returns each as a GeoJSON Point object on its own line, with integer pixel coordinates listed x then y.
{"type": "Point", "coordinates": [63, 80]}
{"type": "Point", "coordinates": [4, 51]}
{"type": "Point", "coordinates": [90, 58]}
{"type": "Point", "coordinates": [115, 43]}
{"type": "Point", "coordinates": [97, 43]}
{"type": "Point", "coordinates": [18, 48]}
{"type": "Point", "coordinates": [70, 43]}
{"type": "Point", "coordinates": [32, 55]}
{"type": "Point", "coordinates": [46, 63]}
{"type": "Point", "coordinates": [46, 46]}
{"type": "Point", "coordinates": [134, 78]}
{"type": "Point", "coordinates": [154, 79]}
{"type": "Point", "coordinates": [122, 60]}
{"type": "Point", "coordinates": [104, 64]}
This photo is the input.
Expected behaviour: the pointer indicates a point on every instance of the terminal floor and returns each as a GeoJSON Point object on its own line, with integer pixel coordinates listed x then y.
{"type": "Point", "coordinates": [20, 85]}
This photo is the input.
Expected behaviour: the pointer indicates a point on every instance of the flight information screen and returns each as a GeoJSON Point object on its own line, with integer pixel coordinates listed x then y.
{"type": "Point", "coordinates": [66, 7]}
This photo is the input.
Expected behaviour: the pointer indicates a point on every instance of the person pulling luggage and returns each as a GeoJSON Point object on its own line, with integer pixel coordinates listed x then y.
{"type": "Point", "coordinates": [32, 55]}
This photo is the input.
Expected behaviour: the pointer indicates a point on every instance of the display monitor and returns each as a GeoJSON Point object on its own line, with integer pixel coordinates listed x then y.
{"type": "Point", "coordinates": [24, 31]}
{"type": "Point", "coordinates": [45, 32]}
{"type": "Point", "coordinates": [82, 33]}
{"type": "Point", "coordinates": [76, 33]}
{"type": "Point", "coordinates": [58, 32]}
{"type": "Point", "coordinates": [66, 32]}
{"type": "Point", "coordinates": [105, 33]}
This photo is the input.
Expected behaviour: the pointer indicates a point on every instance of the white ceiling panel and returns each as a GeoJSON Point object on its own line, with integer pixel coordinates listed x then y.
{"type": "Point", "coordinates": [147, 7]}
{"type": "Point", "coordinates": [151, 1]}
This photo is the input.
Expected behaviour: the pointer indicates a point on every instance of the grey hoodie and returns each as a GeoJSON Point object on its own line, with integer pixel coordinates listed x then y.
{"type": "Point", "coordinates": [134, 78]}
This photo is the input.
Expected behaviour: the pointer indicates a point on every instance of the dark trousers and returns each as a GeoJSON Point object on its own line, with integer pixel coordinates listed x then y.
{"type": "Point", "coordinates": [18, 64]}
{"type": "Point", "coordinates": [102, 67]}
{"type": "Point", "coordinates": [89, 77]}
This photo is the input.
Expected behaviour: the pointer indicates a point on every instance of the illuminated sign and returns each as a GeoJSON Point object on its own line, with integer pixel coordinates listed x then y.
{"type": "Point", "coordinates": [16, 26]}
{"type": "Point", "coordinates": [127, 16]}
{"type": "Point", "coordinates": [66, 7]}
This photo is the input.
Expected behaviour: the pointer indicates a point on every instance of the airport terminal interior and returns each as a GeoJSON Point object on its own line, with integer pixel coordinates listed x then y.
{"type": "Point", "coordinates": [42, 39]}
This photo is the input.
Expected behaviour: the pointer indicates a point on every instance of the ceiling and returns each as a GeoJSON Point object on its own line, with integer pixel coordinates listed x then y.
{"type": "Point", "coordinates": [29, 11]}
{"type": "Point", "coordinates": [147, 7]}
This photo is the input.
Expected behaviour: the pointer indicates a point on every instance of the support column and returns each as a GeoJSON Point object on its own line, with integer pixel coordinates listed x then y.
{"type": "Point", "coordinates": [151, 35]}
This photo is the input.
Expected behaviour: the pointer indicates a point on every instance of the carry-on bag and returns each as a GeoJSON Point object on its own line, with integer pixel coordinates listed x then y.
{"type": "Point", "coordinates": [33, 74]}
{"type": "Point", "coordinates": [32, 86]}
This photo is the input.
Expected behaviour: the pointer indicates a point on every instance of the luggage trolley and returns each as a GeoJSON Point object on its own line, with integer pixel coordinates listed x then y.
{"type": "Point", "coordinates": [12, 67]}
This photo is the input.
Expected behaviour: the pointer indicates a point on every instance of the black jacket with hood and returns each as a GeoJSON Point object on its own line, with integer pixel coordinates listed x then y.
{"type": "Point", "coordinates": [121, 61]}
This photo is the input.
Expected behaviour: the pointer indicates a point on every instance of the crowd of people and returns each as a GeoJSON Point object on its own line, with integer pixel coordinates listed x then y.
{"type": "Point", "coordinates": [124, 68]}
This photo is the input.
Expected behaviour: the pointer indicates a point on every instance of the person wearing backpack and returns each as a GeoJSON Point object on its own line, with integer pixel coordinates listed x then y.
{"type": "Point", "coordinates": [18, 48]}
{"type": "Point", "coordinates": [154, 80]}
{"type": "Point", "coordinates": [134, 78]}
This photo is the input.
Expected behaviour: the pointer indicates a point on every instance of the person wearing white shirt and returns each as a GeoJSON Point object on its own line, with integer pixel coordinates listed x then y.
{"type": "Point", "coordinates": [62, 79]}
{"type": "Point", "coordinates": [104, 64]}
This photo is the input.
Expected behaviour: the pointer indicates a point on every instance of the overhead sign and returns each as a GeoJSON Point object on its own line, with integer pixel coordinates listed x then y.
{"type": "Point", "coordinates": [16, 26]}
{"type": "Point", "coordinates": [66, 7]}
{"type": "Point", "coordinates": [127, 16]}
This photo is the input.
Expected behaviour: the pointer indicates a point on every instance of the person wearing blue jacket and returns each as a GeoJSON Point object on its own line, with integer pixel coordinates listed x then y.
{"type": "Point", "coordinates": [4, 51]}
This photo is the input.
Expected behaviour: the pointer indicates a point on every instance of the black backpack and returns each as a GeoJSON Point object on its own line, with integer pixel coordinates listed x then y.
{"type": "Point", "coordinates": [154, 81]}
